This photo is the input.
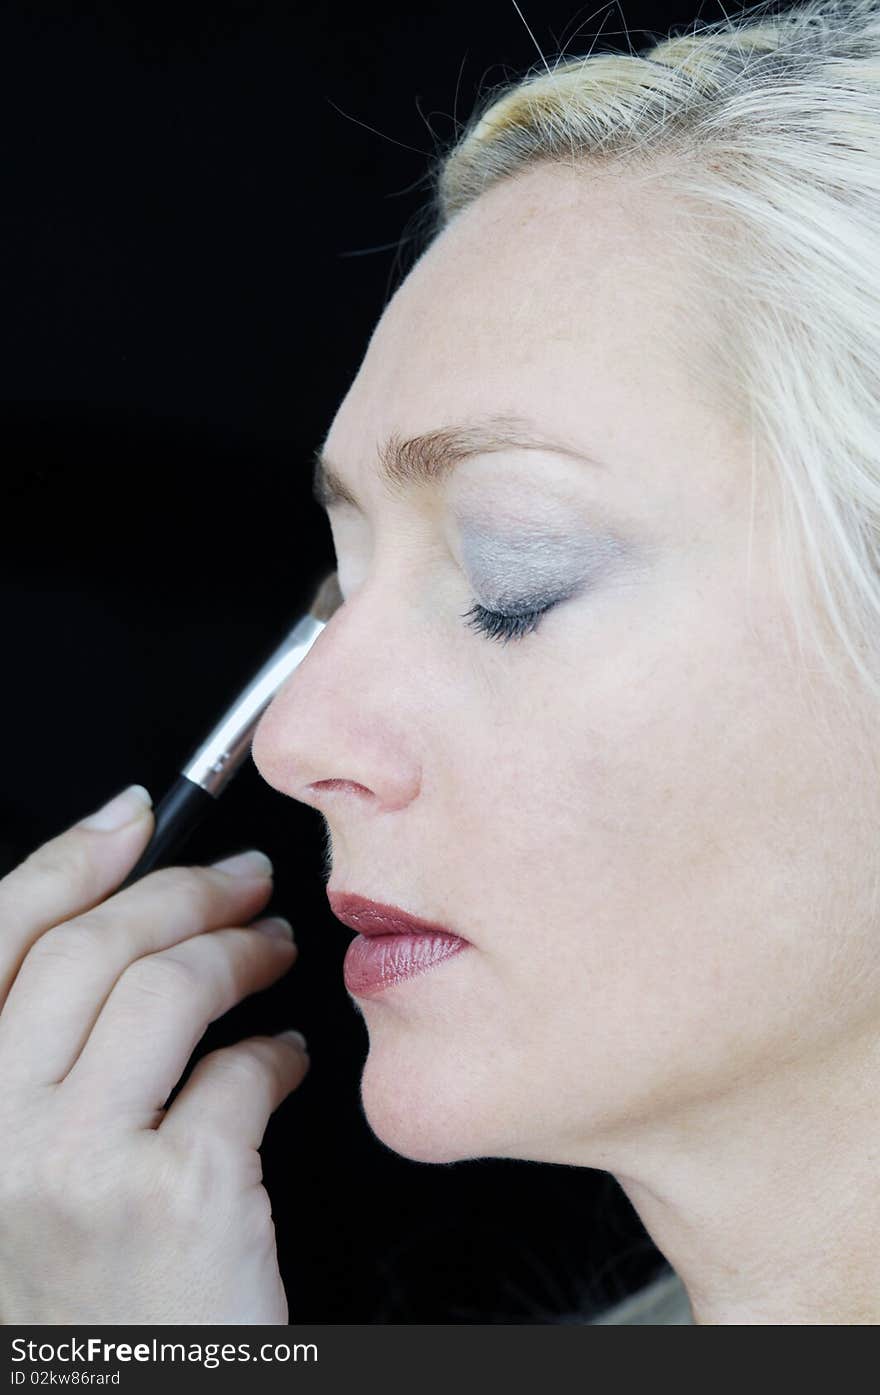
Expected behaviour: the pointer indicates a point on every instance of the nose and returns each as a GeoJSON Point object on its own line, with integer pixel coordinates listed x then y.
{"type": "Point", "coordinates": [340, 733]}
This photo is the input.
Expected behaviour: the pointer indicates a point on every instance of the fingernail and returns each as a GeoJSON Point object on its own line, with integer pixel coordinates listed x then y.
{"type": "Point", "coordinates": [296, 1037]}
{"type": "Point", "coordinates": [275, 926]}
{"type": "Point", "coordinates": [121, 810]}
{"type": "Point", "coordinates": [247, 864]}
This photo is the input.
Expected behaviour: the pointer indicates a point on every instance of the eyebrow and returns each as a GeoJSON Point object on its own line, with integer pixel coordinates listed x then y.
{"type": "Point", "coordinates": [429, 458]}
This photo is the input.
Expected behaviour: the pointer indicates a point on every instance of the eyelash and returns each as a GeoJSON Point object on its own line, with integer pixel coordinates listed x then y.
{"type": "Point", "coordinates": [504, 627]}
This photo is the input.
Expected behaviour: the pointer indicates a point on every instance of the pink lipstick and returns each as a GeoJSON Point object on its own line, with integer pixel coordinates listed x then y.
{"type": "Point", "coordinates": [391, 946]}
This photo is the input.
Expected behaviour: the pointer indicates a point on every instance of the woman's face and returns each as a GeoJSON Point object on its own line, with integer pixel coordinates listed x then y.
{"type": "Point", "coordinates": [655, 833]}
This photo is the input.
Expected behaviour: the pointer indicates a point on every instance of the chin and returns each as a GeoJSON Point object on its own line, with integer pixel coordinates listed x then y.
{"type": "Point", "coordinates": [411, 1122]}
{"type": "Point", "coordinates": [421, 1120]}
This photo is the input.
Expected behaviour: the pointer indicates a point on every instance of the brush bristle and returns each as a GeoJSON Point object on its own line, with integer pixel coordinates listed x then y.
{"type": "Point", "coordinates": [328, 598]}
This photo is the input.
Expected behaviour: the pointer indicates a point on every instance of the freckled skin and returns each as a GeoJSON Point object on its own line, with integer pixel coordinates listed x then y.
{"type": "Point", "coordinates": [659, 836]}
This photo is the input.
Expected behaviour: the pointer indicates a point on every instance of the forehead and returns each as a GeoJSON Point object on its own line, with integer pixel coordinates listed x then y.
{"type": "Point", "coordinates": [559, 295]}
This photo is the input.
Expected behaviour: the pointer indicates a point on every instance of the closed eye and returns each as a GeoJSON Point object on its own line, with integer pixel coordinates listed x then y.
{"type": "Point", "coordinates": [497, 625]}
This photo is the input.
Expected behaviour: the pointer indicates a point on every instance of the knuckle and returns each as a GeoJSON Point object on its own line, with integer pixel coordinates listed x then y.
{"type": "Point", "coordinates": [166, 976]}
{"type": "Point", "coordinates": [243, 1065]}
{"type": "Point", "coordinates": [67, 1179]}
{"type": "Point", "coordinates": [189, 887]}
{"type": "Point", "coordinates": [199, 1171]}
{"type": "Point", "coordinates": [72, 941]}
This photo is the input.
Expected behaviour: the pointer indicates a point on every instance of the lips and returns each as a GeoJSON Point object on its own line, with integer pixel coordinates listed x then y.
{"type": "Point", "coordinates": [375, 918]}
{"type": "Point", "coordinates": [392, 945]}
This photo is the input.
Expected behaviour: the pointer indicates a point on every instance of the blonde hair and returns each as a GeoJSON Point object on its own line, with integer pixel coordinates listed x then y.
{"type": "Point", "coordinates": [764, 128]}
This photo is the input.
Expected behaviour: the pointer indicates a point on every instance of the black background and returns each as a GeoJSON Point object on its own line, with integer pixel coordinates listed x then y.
{"type": "Point", "coordinates": [205, 210]}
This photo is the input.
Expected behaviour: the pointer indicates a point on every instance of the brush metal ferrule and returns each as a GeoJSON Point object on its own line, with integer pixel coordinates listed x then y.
{"type": "Point", "coordinates": [228, 745]}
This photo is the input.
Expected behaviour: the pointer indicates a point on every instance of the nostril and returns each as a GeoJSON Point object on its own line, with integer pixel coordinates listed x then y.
{"type": "Point", "coordinates": [339, 785]}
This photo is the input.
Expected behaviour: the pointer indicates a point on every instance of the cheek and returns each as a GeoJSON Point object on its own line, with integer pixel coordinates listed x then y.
{"type": "Point", "coordinates": [660, 826]}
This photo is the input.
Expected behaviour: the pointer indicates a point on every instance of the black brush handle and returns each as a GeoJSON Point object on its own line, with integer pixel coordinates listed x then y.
{"type": "Point", "coordinates": [177, 817]}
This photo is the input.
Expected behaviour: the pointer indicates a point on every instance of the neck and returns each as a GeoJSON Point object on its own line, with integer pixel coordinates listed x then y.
{"type": "Point", "coordinates": [767, 1202]}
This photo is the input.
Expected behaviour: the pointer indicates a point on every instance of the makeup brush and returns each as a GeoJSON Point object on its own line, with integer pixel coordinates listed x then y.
{"type": "Point", "coordinates": [210, 769]}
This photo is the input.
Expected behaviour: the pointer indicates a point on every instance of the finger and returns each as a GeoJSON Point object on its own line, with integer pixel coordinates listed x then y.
{"type": "Point", "coordinates": [233, 1092]}
{"type": "Point", "coordinates": [68, 875]}
{"type": "Point", "coordinates": [157, 1013]}
{"type": "Point", "coordinates": [70, 971]}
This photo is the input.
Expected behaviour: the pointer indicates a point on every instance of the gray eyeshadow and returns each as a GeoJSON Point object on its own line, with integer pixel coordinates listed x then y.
{"type": "Point", "coordinates": [532, 567]}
